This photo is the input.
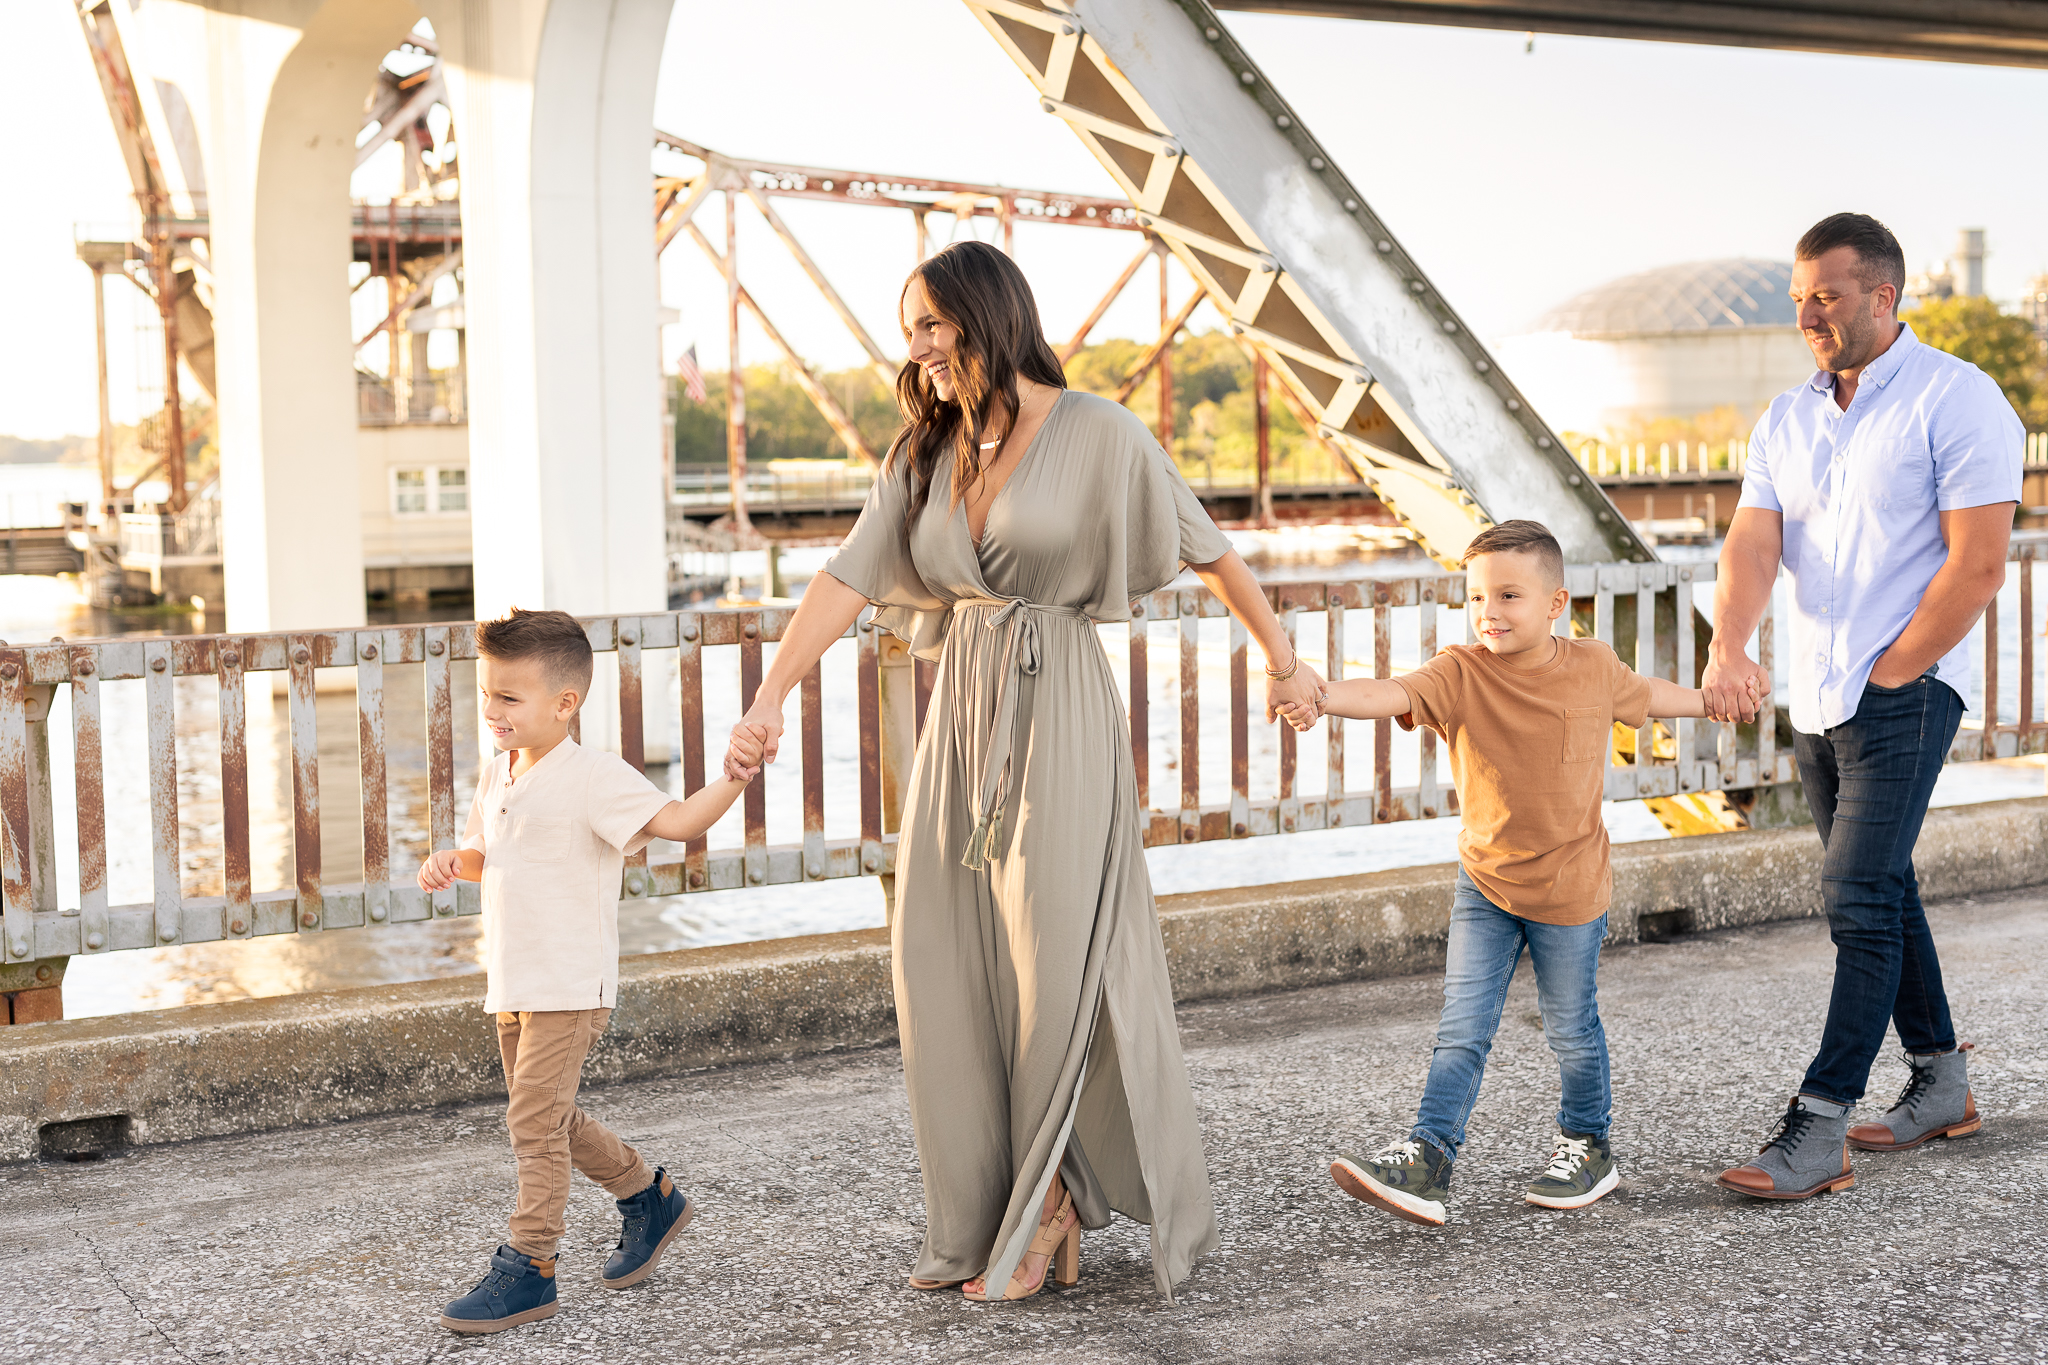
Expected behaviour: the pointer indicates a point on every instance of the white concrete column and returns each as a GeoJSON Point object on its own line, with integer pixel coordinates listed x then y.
{"type": "Point", "coordinates": [554, 107]}
{"type": "Point", "coordinates": [283, 104]}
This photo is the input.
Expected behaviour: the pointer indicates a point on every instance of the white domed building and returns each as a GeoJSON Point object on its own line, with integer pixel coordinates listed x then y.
{"type": "Point", "coordinates": [1674, 342]}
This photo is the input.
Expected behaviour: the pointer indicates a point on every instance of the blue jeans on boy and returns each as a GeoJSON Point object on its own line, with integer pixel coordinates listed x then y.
{"type": "Point", "coordinates": [1486, 944]}
{"type": "Point", "coordinates": [1867, 782]}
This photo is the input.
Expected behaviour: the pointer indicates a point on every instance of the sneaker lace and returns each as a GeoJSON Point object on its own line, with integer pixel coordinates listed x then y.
{"type": "Point", "coordinates": [1400, 1152]}
{"type": "Point", "coordinates": [1917, 1085]}
{"type": "Point", "coordinates": [1791, 1130]}
{"type": "Point", "coordinates": [1565, 1160]}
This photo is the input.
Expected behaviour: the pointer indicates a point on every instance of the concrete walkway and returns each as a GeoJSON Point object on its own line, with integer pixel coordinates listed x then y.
{"type": "Point", "coordinates": [341, 1244]}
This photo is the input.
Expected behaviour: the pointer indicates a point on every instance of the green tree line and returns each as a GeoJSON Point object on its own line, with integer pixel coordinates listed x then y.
{"type": "Point", "coordinates": [1214, 423]}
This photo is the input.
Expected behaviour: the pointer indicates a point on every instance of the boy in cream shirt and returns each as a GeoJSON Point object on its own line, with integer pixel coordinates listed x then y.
{"type": "Point", "coordinates": [548, 836]}
{"type": "Point", "coordinates": [1526, 717]}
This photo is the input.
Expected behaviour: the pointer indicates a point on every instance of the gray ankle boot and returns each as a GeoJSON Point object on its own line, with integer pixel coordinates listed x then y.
{"type": "Point", "coordinates": [1935, 1103]}
{"type": "Point", "coordinates": [1808, 1155]}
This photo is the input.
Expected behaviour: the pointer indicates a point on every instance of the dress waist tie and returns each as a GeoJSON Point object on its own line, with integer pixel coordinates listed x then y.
{"type": "Point", "coordinates": [1020, 655]}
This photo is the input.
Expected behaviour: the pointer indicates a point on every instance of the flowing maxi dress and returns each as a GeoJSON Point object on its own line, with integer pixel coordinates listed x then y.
{"type": "Point", "coordinates": [1031, 986]}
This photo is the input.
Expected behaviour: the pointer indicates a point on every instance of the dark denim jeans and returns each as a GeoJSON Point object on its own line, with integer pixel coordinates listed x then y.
{"type": "Point", "coordinates": [1486, 942]}
{"type": "Point", "coordinates": [1867, 782]}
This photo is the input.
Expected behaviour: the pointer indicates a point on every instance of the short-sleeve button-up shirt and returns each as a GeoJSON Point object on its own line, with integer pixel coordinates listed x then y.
{"type": "Point", "coordinates": [1861, 492]}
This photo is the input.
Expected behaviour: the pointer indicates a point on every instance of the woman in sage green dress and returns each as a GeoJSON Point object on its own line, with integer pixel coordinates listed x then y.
{"type": "Point", "coordinates": [1040, 1054]}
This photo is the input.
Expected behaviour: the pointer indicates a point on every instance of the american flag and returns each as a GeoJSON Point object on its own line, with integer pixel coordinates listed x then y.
{"type": "Point", "coordinates": [693, 375]}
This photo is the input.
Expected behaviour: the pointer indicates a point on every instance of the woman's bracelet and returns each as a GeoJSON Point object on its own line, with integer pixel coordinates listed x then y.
{"type": "Point", "coordinates": [1283, 674]}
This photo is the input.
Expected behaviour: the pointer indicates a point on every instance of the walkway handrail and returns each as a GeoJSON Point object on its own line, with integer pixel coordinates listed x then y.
{"type": "Point", "coordinates": [1640, 608]}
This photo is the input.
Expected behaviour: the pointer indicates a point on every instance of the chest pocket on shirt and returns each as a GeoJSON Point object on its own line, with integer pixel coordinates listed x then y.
{"type": "Point", "coordinates": [539, 840]}
{"type": "Point", "coordinates": [1894, 473]}
{"type": "Point", "coordinates": [1585, 734]}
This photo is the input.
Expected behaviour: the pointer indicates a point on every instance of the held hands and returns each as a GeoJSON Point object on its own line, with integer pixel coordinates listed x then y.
{"type": "Point", "coordinates": [1298, 700]}
{"type": "Point", "coordinates": [1734, 688]}
{"type": "Point", "coordinates": [752, 743]}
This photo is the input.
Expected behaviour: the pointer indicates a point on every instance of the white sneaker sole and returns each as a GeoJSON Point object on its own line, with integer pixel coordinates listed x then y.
{"type": "Point", "coordinates": [1579, 1201]}
{"type": "Point", "coordinates": [1365, 1189]}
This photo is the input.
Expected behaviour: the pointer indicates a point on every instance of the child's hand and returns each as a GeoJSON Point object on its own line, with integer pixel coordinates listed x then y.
{"type": "Point", "coordinates": [1301, 715]}
{"type": "Point", "coordinates": [441, 870]}
{"type": "Point", "coordinates": [748, 742]}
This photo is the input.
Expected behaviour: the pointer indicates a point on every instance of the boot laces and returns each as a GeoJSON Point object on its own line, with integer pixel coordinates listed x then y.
{"type": "Point", "coordinates": [1791, 1129]}
{"type": "Point", "coordinates": [1918, 1083]}
{"type": "Point", "coordinates": [1402, 1152]}
{"type": "Point", "coordinates": [1565, 1160]}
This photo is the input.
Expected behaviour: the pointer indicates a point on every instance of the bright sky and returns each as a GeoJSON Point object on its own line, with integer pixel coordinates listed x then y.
{"type": "Point", "coordinates": [1515, 178]}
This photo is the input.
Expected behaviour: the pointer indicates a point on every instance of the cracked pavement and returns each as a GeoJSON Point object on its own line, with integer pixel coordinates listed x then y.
{"type": "Point", "coordinates": [342, 1243]}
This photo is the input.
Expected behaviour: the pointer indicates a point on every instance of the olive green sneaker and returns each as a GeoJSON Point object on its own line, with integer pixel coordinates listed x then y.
{"type": "Point", "coordinates": [1408, 1178]}
{"type": "Point", "coordinates": [1581, 1170]}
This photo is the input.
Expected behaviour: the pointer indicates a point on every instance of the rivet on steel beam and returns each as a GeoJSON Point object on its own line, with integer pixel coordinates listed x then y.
{"type": "Point", "coordinates": [635, 884]}
{"type": "Point", "coordinates": [1604, 517]}
{"type": "Point", "coordinates": [1481, 366]}
{"type": "Point", "coordinates": [1429, 812]}
{"type": "Point", "coordinates": [1351, 206]}
{"type": "Point", "coordinates": [1066, 30]}
{"type": "Point", "coordinates": [627, 637]}
{"type": "Point", "coordinates": [87, 668]}
{"type": "Point", "coordinates": [1211, 34]}
{"type": "Point", "coordinates": [9, 670]}
{"type": "Point", "coordinates": [167, 935]}
{"type": "Point", "coordinates": [1237, 831]}
{"type": "Point", "coordinates": [231, 658]}
{"type": "Point", "coordinates": [813, 870]}
{"type": "Point", "coordinates": [435, 647]}
{"type": "Point", "coordinates": [871, 863]}
{"type": "Point", "coordinates": [1514, 405]}
{"type": "Point", "coordinates": [1416, 286]}
{"type": "Point", "coordinates": [1316, 163]}
{"type": "Point", "coordinates": [1543, 443]}
{"type": "Point", "coordinates": [751, 630]}
{"type": "Point", "coordinates": [1386, 245]}
{"type": "Point", "coordinates": [754, 876]}
{"type": "Point", "coordinates": [368, 651]}
{"type": "Point", "coordinates": [302, 655]}
{"type": "Point", "coordinates": [309, 919]}
{"type": "Point", "coordinates": [1685, 575]}
{"type": "Point", "coordinates": [1187, 834]}
{"type": "Point", "coordinates": [43, 972]}
{"type": "Point", "coordinates": [690, 632]}
{"type": "Point", "coordinates": [19, 947]}
{"type": "Point", "coordinates": [696, 879]}
{"type": "Point", "coordinates": [1248, 77]}
{"type": "Point", "coordinates": [1573, 480]}
{"type": "Point", "coordinates": [155, 666]}
{"type": "Point", "coordinates": [94, 942]}
{"type": "Point", "coordinates": [377, 914]}
{"type": "Point", "coordinates": [1450, 326]}
{"type": "Point", "coordinates": [1284, 121]}
{"type": "Point", "coordinates": [237, 927]}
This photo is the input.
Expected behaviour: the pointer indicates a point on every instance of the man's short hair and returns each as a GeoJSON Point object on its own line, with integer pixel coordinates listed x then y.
{"type": "Point", "coordinates": [553, 639]}
{"type": "Point", "coordinates": [1879, 260]}
{"type": "Point", "coordinates": [1528, 537]}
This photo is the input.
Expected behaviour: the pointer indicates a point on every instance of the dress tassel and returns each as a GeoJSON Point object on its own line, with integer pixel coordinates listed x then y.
{"type": "Point", "coordinates": [975, 857]}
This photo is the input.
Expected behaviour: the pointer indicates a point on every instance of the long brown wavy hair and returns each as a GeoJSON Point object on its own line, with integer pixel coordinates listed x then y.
{"type": "Point", "coordinates": [980, 291]}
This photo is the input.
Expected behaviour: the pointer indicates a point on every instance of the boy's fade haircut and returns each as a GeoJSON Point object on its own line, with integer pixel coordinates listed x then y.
{"type": "Point", "coordinates": [1528, 537]}
{"type": "Point", "coordinates": [553, 639]}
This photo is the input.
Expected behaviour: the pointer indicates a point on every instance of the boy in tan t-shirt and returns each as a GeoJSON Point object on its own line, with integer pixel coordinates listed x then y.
{"type": "Point", "coordinates": [1525, 716]}
{"type": "Point", "coordinates": [548, 836]}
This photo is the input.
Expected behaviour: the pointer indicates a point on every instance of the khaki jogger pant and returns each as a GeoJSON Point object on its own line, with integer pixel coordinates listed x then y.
{"type": "Point", "coordinates": [543, 1052]}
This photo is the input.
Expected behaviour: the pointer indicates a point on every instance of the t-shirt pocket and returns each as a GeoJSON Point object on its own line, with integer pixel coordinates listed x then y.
{"type": "Point", "coordinates": [1585, 733]}
{"type": "Point", "coordinates": [537, 840]}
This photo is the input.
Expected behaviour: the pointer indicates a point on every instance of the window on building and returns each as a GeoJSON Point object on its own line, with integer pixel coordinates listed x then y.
{"type": "Point", "coordinates": [408, 492]}
{"type": "Point", "coordinates": [432, 489]}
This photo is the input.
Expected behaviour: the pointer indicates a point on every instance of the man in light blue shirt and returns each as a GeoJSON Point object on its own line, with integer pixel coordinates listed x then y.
{"type": "Point", "coordinates": [1886, 486]}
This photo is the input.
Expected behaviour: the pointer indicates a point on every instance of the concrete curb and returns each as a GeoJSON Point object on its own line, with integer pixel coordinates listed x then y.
{"type": "Point", "coordinates": [249, 1065]}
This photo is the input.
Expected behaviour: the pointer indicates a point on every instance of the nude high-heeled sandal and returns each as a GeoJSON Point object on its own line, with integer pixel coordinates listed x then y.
{"type": "Point", "coordinates": [1062, 1247]}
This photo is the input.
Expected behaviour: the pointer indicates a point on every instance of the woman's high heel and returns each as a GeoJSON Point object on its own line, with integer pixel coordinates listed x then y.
{"type": "Point", "coordinates": [1063, 1249]}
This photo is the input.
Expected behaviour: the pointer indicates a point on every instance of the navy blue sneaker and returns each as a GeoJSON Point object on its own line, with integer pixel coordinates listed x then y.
{"type": "Point", "coordinates": [517, 1289]}
{"type": "Point", "coordinates": [653, 1218]}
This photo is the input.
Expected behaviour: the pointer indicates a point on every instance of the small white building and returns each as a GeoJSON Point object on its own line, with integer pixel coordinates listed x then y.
{"type": "Point", "coordinates": [1673, 342]}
